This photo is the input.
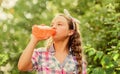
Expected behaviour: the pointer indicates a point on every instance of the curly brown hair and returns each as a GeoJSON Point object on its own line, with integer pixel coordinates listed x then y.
{"type": "Point", "coordinates": [75, 42]}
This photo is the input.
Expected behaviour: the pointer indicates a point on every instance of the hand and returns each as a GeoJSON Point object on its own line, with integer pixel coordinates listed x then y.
{"type": "Point", "coordinates": [37, 39]}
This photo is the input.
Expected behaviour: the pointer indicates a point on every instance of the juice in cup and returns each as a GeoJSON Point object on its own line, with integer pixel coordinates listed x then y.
{"type": "Point", "coordinates": [42, 31]}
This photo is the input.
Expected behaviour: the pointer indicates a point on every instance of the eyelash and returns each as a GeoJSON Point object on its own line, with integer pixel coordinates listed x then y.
{"type": "Point", "coordinates": [51, 25]}
{"type": "Point", "coordinates": [57, 24]}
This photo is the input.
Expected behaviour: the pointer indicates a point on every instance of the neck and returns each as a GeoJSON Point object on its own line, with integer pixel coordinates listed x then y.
{"type": "Point", "coordinates": [61, 46]}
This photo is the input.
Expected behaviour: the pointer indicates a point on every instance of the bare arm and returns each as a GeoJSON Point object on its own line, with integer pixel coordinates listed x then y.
{"type": "Point", "coordinates": [25, 62]}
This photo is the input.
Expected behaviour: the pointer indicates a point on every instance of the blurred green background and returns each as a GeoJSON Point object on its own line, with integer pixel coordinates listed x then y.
{"type": "Point", "coordinates": [99, 26]}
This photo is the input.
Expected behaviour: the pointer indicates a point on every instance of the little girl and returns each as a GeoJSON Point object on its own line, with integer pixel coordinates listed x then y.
{"type": "Point", "coordinates": [62, 56]}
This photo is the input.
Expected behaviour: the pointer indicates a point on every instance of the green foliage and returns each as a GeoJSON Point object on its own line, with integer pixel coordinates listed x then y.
{"type": "Point", "coordinates": [103, 41]}
{"type": "Point", "coordinates": [100, 28]}
{"type": "Point", "coordinates": [3, 59]}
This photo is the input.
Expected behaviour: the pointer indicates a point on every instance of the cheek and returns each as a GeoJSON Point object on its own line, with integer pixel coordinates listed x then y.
{"type": "Point", "coordinates": [61, 34]}
{"type": "Point", "coordinates": [63, 31]}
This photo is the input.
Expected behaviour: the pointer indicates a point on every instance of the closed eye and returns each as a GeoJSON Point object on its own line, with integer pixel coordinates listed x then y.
{"type": "Point", "coordinates": [59, 24]}
{"type": "Point", "coordinates": [51, 25]}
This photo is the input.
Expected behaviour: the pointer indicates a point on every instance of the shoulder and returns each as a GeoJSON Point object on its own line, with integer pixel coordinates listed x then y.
{"type": "Point", "coordinates": [39, 51]}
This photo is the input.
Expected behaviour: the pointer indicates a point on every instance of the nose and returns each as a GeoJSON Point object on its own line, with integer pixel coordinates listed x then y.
{"type": "Point", "coordinates": [54, 26]}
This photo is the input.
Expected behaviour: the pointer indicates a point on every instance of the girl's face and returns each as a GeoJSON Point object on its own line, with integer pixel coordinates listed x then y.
{"type": "Point", "coordinates": [62, 28]}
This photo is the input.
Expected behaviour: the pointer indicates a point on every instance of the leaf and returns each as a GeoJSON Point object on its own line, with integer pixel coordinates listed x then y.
{"type": "Point", "coordinates": [116, 56]}
{"type": "Point", "coordinates": [98, 71]}
{"type": "Point", "coordinates": [110, 71]}
{"type": "Point", "coordinates": [91, 52]}
{"type": "Point", "coordinates": [106, 62]}
{"type": "Point", "coordinates": [98, 55]}
{"type": "Point", "coordinates": [3, 59]}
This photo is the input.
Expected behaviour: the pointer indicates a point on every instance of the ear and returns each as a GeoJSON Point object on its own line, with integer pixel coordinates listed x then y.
{"type": "Point", "coordinates": [71, 32]}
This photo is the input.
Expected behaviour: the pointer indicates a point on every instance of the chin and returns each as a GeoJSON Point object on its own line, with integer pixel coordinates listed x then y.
{"type": "Point", "coordinates": [55, 38]}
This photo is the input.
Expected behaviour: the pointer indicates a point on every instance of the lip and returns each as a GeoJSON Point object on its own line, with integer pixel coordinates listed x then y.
{"type": "Point", "coordinates": [54, 33]}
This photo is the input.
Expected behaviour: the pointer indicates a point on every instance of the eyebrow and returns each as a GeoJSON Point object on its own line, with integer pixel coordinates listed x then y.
{"type": "Point", "coordinates": [60, 21]}
{"type": "Point", "coordinates": [57, 22]}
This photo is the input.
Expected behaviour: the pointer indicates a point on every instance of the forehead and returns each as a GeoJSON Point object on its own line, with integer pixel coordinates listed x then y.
{"type": "Point", "coordinates": [59, 18]}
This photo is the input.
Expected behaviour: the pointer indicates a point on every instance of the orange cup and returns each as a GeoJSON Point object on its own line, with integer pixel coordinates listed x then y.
{"type": "Point", "coordinates": [41, 32]}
